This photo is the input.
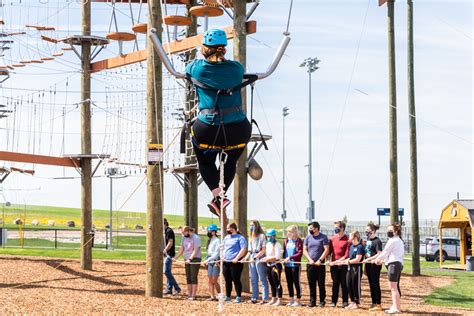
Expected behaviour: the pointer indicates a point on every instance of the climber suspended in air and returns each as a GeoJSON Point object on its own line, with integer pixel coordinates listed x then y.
{"type": "Point", "coordinates": [221, 128]}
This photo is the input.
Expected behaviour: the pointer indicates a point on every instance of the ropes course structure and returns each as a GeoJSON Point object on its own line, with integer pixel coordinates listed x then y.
{"type": "Point", "coordinates": [39, 123]}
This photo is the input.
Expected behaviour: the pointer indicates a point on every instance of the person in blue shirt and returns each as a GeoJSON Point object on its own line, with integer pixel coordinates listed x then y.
{"type": "Point", "coordinates": [354, 266]}
{"type": "Point", "coordinates": [221, 123]}
{"type": "Point", "coordinates": [235, 248]}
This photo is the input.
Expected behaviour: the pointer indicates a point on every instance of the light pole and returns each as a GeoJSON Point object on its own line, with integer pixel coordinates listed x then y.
{"type": "Point", "coordinates": [311, 64]}
{"type": "Point", "coordinates": [112, 173]}
{"type": "Point", "coordinates": [285, 113]}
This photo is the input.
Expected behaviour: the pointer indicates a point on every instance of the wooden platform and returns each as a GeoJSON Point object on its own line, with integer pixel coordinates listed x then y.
{"type": "Point", "coordinates": [183, 169]}
{"type": "Point", "coordinates": [39, 159]}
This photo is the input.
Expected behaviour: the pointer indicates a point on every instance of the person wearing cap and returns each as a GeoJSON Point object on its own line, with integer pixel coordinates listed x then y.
{"type": "Point", "coordinates": [191, 247]}
{"type": "Point", "coordinates": [272, 258]}
{"type": "Point", "coordinates": [221, 120]}
{"type": "Point", "coordinates": [169, 253]}
{"type": "Point", "coordinates": [212, 258]}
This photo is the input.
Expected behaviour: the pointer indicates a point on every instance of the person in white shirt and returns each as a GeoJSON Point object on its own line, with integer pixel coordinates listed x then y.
{"type": "Point", "coordinates": [392, 256]}
{"type": "Point", "coordinates": [272, 258]}
{"type": "Point", "coordinates": [211, 262]}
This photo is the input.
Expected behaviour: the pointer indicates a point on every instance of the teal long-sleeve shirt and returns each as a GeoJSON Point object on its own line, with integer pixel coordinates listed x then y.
{"type": "Point", "coordinates": [218, 75]}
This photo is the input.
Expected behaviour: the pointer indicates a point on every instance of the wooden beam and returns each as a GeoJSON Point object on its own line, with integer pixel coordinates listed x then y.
{"type": "Point", "coordinates": [174, 47]}
{"type": "Point", "coordinates": [145, 1]}
{"type": "Point", "coordinates": [39, 159]}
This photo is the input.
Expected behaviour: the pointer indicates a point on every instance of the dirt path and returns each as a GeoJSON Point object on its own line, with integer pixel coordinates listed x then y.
{"type": "Point", "coordinates": [118, 288]}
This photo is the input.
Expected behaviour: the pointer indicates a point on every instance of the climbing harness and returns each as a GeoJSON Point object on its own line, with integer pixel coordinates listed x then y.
{"type": "Point", "coordinates": [215, 111]}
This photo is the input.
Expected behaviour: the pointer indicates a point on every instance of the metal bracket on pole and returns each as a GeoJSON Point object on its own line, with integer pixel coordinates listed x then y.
{"type": "Point", "coordinates": [252, 10]}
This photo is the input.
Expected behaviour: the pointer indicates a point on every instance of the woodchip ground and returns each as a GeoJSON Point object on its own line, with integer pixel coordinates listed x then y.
{"type": "Point", "coordinates": [56, 286]}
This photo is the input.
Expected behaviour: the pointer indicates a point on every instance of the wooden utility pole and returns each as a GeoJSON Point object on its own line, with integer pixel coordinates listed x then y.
{"type": "Point", "coordinates": [392, 88]}
{"type": "Point", "coordinates": [241, 179]}
{"type": "Point", "coordinates": [413, 147]}
{"type": "Point", "coordinates": [86, 163]}
{"type": "Point", "coordinates": [191, 177]}
{"type": "Point", "coordinates": [154, 229]}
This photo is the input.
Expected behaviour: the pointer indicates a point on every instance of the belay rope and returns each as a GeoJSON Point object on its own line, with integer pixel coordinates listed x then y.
{"type": "Point", "coordinates": [222, 162]}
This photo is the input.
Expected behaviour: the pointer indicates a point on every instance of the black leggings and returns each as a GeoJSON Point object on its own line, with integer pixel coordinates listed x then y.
{"type": "Point", "coordinates": [293, 280]}
{"type": "Point", "coordinates": [232, 273]}
{"type": "Point", "coordinates": [353, 282]}
{"type": "Point", "coordinates": [373, 274]}
{"type": "Point", "coordinates": [274, 277]}
{"type": "Point", "coordinates": [226, 135]}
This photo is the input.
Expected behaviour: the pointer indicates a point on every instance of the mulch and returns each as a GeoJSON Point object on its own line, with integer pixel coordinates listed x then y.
{"type": "Point", "coordinates": [33, 285]}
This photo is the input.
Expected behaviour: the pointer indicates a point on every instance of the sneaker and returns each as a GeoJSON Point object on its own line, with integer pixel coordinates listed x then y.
{"type": "Point", "coordinates": [169, 293]}
{"type": "Point", "coordinates": [215, 206]}
{"type": "Point", "coordinates": [297, 304]}
{"type": "Point", "coordinates": [354, 306]}
{"type": "Point", "coordinates": [311, 304]}
{"type": "Point", "coordinates": [177, 292]}
{"type": "Point", "coordinates": [238, 300]}
{"type": "Point", "coordinates": [333, 305]}
{"type": "Point", "coordinates": [252, 301]}
{"type": "Point", "coordinates": [376, 308]}
{"type": "Point", "coordinates": [345, 304]}
{"type": "Point", "coordinates": [322, 304]}
{"type": "Point", "coordinates": [349, 306]}
{"type": "Point", "coordinates": [225, 203]}
{"type": "Point", "coordinates": [392, 311]}
{"type": "Point", "coordinates": [227, 299]}
{"type": "Point", "coordinates": [278, 303]}
{"type": "Point", "coordinates": [191, 298]}
{"type": "Point", "coordinates": [271, 302]}
{"type": "Point", "coordinates": [262, 302]}
{"type": "Point", "coordinates": [290, 303]}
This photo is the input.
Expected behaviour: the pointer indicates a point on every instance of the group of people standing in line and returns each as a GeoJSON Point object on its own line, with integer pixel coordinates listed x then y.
{"type": "Point", "coordinates": [348, 256]}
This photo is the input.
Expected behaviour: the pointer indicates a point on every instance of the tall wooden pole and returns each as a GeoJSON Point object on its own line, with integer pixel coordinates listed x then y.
{"type": "Point", "coordinates": [154, 229]}
{"type": "Point", "coordinates": [392, 115]}
{"type": "Point", "coordinates": [241, 180]}
{"type": "Point", "coordinates": [86, 164]}
{"type": "Point", "coordinates": [413, 147]}
{"type": "Point", "coordinates": [191, 177]}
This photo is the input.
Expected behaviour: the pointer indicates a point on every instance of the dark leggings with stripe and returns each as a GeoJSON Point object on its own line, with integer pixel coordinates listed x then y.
{"type": "Point", "coordinates": [353, 282]}
{"type": "Point", "coordinates": [274, 278]}
{"type": "Point", "coordinates": [226, 135]}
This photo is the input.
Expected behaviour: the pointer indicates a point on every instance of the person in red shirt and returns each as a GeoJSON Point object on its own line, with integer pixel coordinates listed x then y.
{"type": "Point", "coordinates": [339, 251]}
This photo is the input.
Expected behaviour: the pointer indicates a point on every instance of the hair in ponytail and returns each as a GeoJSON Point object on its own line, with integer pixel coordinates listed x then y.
{"type": "Point", "coordinates": [373, 227]}
{"type": "Point", "coordinates": [214, 53]}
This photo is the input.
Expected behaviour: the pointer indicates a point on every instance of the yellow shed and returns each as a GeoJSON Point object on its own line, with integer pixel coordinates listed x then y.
{"type": "Point", "coordinates": [459, 214]}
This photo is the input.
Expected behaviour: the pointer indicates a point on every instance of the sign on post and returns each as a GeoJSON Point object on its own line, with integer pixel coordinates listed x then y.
{"type": "Point", "coordinates": [384, 211]}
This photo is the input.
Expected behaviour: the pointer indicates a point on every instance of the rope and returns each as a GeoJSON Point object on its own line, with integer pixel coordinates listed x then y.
{"type": "Point", "coordinates": [223, 160]}
{"type": "Point", "coordinates": [221, 262]}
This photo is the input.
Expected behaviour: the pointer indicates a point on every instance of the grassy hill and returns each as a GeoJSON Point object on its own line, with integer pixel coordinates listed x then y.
{"type": "Point", "coordinates": [121, 219]}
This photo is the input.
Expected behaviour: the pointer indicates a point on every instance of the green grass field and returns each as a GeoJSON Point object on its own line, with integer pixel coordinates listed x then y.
{"type": "Point", "coordinates": [61, 215]}
{"type": "Point", "coordinates": [458, 294]}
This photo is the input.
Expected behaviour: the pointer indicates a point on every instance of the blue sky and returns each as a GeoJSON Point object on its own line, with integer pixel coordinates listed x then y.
{"type": "Point", "coordinates": [350, 107]}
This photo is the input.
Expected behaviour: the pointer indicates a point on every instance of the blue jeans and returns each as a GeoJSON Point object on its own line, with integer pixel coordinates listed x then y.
{"type": "Point", "coordinates": [258, 272]}
{"type": "Point", "coordinates": [170, 280]}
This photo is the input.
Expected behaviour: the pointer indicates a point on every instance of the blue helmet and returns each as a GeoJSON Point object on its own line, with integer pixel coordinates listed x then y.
{"type": "Point", "coordinates": [212, 227]}
{"type": "Point", "coordinates": [214, 37]}
{"type": "Point", "coordinates": [271, 232]}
